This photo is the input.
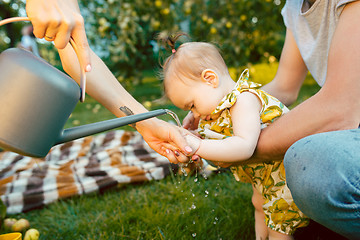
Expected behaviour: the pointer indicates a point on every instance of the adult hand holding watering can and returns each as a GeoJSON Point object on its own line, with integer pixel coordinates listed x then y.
{"type": "Point", "coordinates": [57, 21]}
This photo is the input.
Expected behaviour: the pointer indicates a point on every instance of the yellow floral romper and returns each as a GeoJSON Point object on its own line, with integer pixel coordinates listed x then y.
{"type": "Point", "coordinates": [281, 213]}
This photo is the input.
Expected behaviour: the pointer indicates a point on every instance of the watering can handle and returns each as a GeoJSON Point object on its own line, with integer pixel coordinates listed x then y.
{"type": "Point", "coordinates": [73, 44]}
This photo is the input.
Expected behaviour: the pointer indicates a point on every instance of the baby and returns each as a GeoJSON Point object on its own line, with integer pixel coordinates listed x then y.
{"type": "Point", "coordinates": [232, 115]}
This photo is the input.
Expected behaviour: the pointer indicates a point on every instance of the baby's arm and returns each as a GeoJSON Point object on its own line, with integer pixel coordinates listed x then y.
{"type": "Point", "coordinates": [246, 126]}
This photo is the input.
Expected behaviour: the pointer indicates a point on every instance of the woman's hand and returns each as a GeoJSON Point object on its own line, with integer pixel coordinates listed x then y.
{"type": "Point", "coordinates": [57, 21]}
{"type": "Point", "coordinates": [166, 139]}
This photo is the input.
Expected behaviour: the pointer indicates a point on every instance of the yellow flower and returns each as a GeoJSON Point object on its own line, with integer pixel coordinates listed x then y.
{"type": "Point", "coordinates": [272, 59]}
{"type": "Point", "coordinates": [213, 30]}
{"type": "Point", "coordinates": [165, 11]}
{"type": "Point", "coordinates": [228, 25]}
{"type": "Point", "coordinates": [158, 3]}
{"type": "Point", "coordinates": [155, 24]}
{"type": "Point", "coordinates": [243, 17]}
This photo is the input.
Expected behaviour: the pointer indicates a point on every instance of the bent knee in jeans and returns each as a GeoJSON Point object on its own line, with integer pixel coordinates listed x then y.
{"type": "Point", "coordinates": [323, 174]}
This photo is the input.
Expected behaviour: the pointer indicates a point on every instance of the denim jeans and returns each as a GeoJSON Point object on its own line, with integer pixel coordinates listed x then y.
{"type": "Point", "coordinates": [323, 174]}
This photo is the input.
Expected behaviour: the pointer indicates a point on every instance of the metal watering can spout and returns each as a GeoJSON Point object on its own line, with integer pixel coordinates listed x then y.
{"type": "Point", "coordinates": [93, 128]}
{"type": "Point", "coordinates": [36, 101]}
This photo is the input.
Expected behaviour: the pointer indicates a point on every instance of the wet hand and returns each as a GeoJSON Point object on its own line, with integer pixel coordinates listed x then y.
{"type": "Point", "coordinates": [166, 139]}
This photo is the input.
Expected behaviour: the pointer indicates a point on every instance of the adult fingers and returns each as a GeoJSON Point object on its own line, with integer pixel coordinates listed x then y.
{"type": "Point", "coordinates": [76, 31]}
{"type": "Point", "coordinates": [58, 20]}
{"type": "Point", "coordinates": [52, 29]}
{"type": "Point", "coordinates": [176, 152]}
{"type": "Point", "coordinates": [179, 140]}
{"type": "Point", "coordinates": [170, 156]}
{"type": "Point", "coordinates": [79, 36]}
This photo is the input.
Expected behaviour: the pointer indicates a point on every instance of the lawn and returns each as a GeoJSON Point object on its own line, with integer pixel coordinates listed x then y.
{"type": "Point", "coordinates": [177, 207]}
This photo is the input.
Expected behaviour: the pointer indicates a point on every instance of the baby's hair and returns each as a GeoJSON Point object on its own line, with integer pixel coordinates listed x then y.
{"type": "Point", "coordinates": [171, 40]}
{"type": "Point", "coordinates": [190, 59]}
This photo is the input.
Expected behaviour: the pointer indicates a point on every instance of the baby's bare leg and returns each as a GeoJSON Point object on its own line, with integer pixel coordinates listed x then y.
{"type": "Point", "coordinates": [261, 230]}
{"type": "Point", "coordinates": [273, 235]}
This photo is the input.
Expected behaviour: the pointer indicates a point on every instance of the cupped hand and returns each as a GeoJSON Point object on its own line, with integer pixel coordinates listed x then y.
{"type": "Point", "coordinates": [57, 21]}
{"type": "Point", "coordinates": [166, 139]}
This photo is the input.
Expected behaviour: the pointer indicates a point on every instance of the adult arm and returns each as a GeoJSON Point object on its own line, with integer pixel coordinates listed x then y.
{"type": "Point", "coordinates": [104, 87]}
{"type": "Point", "coordinates": [60, 19]}
{"type": "Point", "coordinates": [335, 107]}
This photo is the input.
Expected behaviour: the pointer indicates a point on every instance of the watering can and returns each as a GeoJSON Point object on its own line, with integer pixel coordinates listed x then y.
{"type": "Point", "coordinates": [36, 100]}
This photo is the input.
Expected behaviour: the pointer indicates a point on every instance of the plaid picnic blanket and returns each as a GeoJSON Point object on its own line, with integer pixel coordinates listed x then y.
{"type": "Point", "coordinates": [90, 164]}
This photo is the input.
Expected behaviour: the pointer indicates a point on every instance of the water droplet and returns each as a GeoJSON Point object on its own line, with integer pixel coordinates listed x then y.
{"type": "Point", "coordinates": [193, 194]}
{"type": "Point", "coordinates": [214, 222]}
{"type": "Point", "coordinates": [182, 169]}
{"type": "Point", "coordinates": [196, 179]}
{"type": "Point", "coordinates": [193, 222]}
{"type": "Point", "coordinates": [206, 192]}
{"type": "Point", "coordinates": [193, 206]}
{"type": "Point", "coordinates": [216, 219]}
{"type": "Point", "coordinates": [194, 235]}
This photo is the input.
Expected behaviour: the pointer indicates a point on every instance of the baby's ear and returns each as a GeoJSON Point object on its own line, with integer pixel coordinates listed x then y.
{"type": "Point", "coordinates": [210, 77]}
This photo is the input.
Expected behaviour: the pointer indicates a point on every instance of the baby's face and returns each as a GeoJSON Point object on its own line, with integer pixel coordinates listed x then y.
{"type": "Point", "coordinates": [197, 96]}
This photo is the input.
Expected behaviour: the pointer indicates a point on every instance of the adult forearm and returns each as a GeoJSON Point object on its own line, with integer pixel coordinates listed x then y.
{"type": "Point", "coordinates": [101, 84]}
{"type": "Point", "coordinates": [315, 115]}
{"type": "Point", "coordinates": [104, 87]}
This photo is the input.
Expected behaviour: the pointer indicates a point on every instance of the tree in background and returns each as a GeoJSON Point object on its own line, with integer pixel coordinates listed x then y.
{"type": "Point", "coordinates": [10, 34]}
{"type": "Point", "coordinates": [122, 32]}
{"type": "Point", "coordinates": [247, 31]}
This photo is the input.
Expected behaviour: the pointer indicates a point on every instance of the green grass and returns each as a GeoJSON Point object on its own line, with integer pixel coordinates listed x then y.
{"type": "Point", "coordinates": [173, 208]}
{"type": "Point", "coordinates": [159, 209]}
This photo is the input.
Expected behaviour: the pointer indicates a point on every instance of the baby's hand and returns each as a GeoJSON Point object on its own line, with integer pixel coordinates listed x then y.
{"type": "Point", "coordinates": [194, 142]}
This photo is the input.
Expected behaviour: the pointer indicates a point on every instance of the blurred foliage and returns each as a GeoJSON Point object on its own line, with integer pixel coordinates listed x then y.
{"type": "Point", "coordinates": [10, 34]}
{"type": "Point", "coordinates": [122, 32]}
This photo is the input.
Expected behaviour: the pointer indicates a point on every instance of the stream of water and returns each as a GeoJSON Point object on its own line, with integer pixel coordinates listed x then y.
{"type": "Point", "coordinates": [198, 169]}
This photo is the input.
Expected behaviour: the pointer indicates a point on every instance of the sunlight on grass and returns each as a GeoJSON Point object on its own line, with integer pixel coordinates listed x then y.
{"type": "Point", "coordinates": [174, 208]}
